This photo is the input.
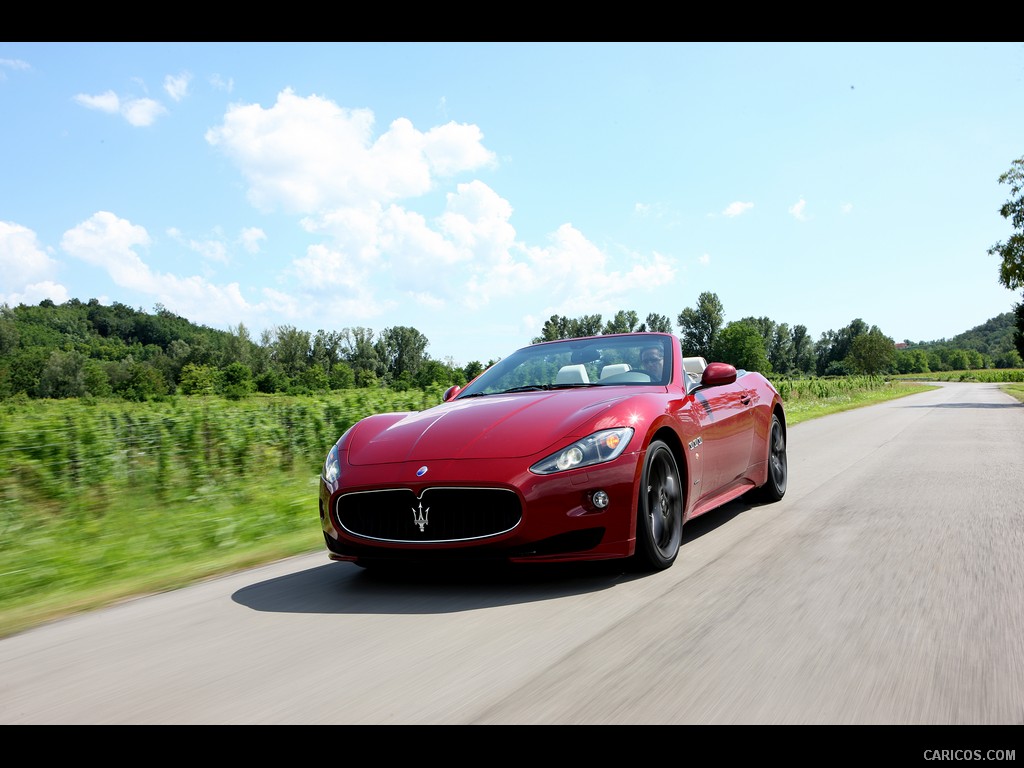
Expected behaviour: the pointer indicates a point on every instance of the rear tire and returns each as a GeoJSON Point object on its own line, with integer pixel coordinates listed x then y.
{"type": "Point", "coordinates": [778, 465]}
{"type": "Point", "coordinates": [659, 526]}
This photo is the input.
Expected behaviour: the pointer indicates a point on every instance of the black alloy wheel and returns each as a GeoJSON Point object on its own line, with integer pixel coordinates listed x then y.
{"type": "Point", "coordinates": [659, 530]}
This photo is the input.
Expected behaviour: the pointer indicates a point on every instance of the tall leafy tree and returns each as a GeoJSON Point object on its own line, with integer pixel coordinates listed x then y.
{"type": "Point", "coordinates": [623, 322]}
{"type": "Point", "coordinates": [872, 353]}
{"type": "Point", "coordinates": [403, 351]}
{"type": "Point", "coordinates": [359, 350]}
{"type": "Point", "coordinates": [327, 349]}
{"type": "Point", "coordinates": [291, 349]}
{"type": "Point", "coordinates": [700, 325]}
{"type": "Point", "coordinates": [741, 344]}
{"type": "Point", "coordinates": [803, 349]}
{"type": "Point", "coordinates": [1011, 252]}
{"type": "Point", "coordinates": [587, 325]}
{"type": "Point", "coordinates": [555, 327]}
{"type": "Point", "coordinates": [657, 323]}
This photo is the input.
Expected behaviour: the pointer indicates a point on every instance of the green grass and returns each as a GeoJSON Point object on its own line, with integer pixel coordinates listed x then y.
{"type": "Point", "coordinates": [157, 517]}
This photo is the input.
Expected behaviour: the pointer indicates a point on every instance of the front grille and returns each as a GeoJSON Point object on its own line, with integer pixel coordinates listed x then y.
{"type": "Point", "coordinates": [438, 515]}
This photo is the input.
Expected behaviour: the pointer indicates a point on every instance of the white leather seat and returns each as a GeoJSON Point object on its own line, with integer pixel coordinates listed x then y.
{"type": "Point", "coordinates": [572, 374]}
{"type": "Point", "coordinates": [695, 365]}
{"type": "Point", "coordinates": [614, 370]}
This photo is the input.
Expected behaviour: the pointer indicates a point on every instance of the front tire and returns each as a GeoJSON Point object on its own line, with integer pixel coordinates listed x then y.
{"type": "Point", "coordinates": [659, 527]}
{"type": "Point", "coordinates": [778, 465]}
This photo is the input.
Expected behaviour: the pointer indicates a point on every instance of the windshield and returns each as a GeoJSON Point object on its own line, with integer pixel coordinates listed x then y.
{"type": "Point", "coordinates": [631, 359]}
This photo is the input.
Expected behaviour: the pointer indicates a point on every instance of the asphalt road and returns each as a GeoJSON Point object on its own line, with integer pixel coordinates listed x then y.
{"type": "Point", "coordinates": [886, 588]}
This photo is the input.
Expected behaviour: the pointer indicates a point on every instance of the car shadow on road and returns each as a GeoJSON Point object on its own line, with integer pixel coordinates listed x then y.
{"type": "Point", "coordinates": [345, 588]}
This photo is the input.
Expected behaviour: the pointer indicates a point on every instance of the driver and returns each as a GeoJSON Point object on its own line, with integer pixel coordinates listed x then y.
{"type": "Point", "coordinates": [652, 362]}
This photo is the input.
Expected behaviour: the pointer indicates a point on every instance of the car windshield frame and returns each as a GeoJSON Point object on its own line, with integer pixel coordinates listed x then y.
{"type": "Point", "coordinates": [575, 363]}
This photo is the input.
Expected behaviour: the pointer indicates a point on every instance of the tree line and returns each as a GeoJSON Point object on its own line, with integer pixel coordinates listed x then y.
{"type": "Point", "coordinates": [761, 344]}
{"type": "Point", "coordinates": [87, 349]}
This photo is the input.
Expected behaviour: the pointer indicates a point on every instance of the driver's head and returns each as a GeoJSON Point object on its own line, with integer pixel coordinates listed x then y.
{"type": "Point", "coordinates": [652, 361]}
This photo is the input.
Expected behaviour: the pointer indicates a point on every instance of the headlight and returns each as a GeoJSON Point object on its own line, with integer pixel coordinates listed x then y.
{"type": "Point", "coordinates": [595, 449]}
{"type": "Point", "coordinates": [332, 467]}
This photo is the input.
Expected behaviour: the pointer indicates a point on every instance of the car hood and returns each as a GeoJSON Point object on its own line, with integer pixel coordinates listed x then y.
{"type": "Point", "coordinates": [489, 427]}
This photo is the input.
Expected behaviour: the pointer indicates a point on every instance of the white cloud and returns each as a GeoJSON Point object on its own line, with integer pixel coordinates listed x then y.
{"type": "Point", "coordinates": [105, 102]}
{"type": "Point", "coordinates": [26, 268]}
{"type": "Point", "coordinates": [737, 209]}
{"type": "Point", "coordinates": [176, 86]}
{"type": "Point", "coordinates": [797, 210]}
{"type": "Point", "coordinates": [109, 243]}
{"type": "Point", "coordinates": [138, 112]}
{"type": "Point", "coordinates": [142, 112]}
{"type": "Point", "coordinates": [704, 259]}
{"type": "Point", "coordinates": [846, 208]}
{"type": "Point", "coordinates": [251, 237]}
{"type": "Point", "coordinates": [310, 156]}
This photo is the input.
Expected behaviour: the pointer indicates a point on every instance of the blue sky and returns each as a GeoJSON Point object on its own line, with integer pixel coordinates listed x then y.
{"type": "Point", "coordinates": [472, 190]}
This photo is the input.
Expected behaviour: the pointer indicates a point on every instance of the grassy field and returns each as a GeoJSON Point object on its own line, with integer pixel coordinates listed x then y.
{"type": "Point", "coordinates": [101, 502]}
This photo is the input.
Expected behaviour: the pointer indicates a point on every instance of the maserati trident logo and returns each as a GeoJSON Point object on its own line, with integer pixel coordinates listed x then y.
{"type": "Point", "coordinates": [419, 517]}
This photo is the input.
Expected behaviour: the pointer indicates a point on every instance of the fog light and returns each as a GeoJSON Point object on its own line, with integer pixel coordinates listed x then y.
{"type": "Point", "coordinates": [600, 499]}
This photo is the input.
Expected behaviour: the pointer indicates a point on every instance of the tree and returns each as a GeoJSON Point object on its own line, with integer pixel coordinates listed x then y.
{"type": "Point", "coordinates": [403, 351]}
{"type": "Point", "coordinates": [236, 381]}
{"type": "Point", "coordinates": [1011, 252]}
{"type": "Point", "coordinates": [741, 344]}
{"type": "Point", "coordinates": [833, 348]}
{"type": "Point", "coordinates": [1011, 269]}
{"type": "Point", "coordinates": [803, 349]}
{"type": "Point", "coordinates": [623, 322]}
{"type": "Point", "coordinates": [557, 327]}
{"type": "Point", "coordinates": [656, 323]}
{"type": "Point", "coordinates": [872, 353]}
{"type": "Point", "coordinates": [291, 349]}
{"type": "Point", "coordinates": [359, 350]}
{"type": "Point", "coordinates": [701, 325]}
{"type": "Point", "coordinates": [199, 379]}
{"type": "Point", "coordinates": [63, 375]}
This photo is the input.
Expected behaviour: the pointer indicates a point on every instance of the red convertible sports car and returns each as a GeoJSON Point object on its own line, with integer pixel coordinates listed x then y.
{"type": "Point", "coordinates": [581, 449]}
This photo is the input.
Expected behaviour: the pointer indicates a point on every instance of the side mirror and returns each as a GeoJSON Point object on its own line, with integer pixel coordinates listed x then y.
{"type": "Point", "coordinates": [451, 392]}
{"type": "Point", "coordinates": [717, 374]}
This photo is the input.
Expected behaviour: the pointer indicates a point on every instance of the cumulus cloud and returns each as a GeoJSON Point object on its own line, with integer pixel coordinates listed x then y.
{"type": "Point", "coordinates": [104, 102]}
{"type": "Point", "coordinates": [846, 208]}
{"type": "Point", "coordinates": [111, 244]}
{"type": "Point", "coordinates": [27, 269]}
{"type": "Point", "coordinates": [736, 209]}
{"type": "Point", "coordinates": [142, 112]}
{"type": "Point", "coordinates": [138, 112]}
{"type": "Point", "coordinates": [352, 186]}
{"type": "Point", "coordinates": [797, 210]}
{"type": "Point", "coordinates": [310, 156]}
